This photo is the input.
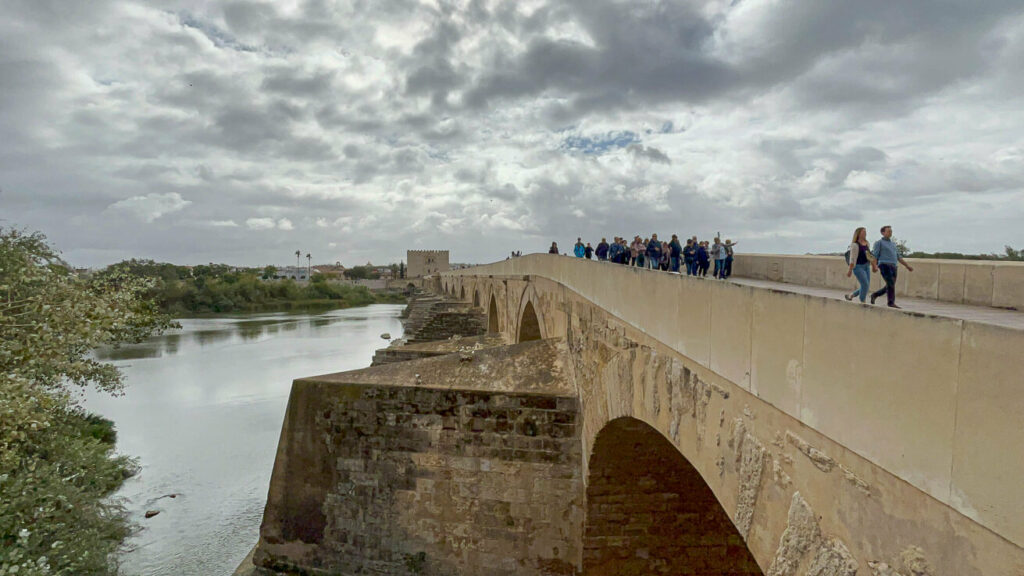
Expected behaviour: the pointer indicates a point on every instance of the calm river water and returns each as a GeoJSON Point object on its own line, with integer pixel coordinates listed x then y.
{"type": "Point", "coordinates": [202, 412]}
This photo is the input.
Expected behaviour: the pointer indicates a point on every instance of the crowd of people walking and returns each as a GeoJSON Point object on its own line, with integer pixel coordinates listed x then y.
{"type": "Point", "coordinates": [694, 258]}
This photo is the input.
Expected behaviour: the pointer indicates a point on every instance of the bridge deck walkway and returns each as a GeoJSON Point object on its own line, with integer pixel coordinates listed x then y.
{"type": "Point", "coordinates": [982, 314]}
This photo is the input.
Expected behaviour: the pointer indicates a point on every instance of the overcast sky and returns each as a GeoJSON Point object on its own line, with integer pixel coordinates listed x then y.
{"type": "Point", "coordinates": [240, 131]}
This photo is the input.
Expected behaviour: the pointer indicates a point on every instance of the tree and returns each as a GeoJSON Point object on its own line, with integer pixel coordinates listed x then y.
{"type": "Point", "coordinates": [298, 254]}
{"type": "Point", "coordinates": [269, 273]}
{"type": "Point", "coordinates": [901, 247]}
{"type": "Point", "coordinates": [56, 473]}
{"type": "Point", "coordinates": [361, 273]}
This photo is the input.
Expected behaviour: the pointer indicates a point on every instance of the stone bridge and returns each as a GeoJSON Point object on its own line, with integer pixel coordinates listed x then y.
{"type": "Point", "coordinates": [620, 421]}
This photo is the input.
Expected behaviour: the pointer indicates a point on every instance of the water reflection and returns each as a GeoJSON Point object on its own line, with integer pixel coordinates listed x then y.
{"type": "Point", "coordinates": [203, 411]}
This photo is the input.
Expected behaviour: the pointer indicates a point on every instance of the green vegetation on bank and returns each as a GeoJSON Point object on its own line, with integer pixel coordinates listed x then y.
{"type": "Point", "coordinates": [219, 289]}
{"type": "Point", "coordinates": [58, 467]}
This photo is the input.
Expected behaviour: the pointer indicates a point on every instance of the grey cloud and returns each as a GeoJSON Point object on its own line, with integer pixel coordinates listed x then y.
{"type": "Point", "coordinates": [285, 80]}
{"type": "Point", "coordinates": [648, 152]}
{"type": "Point", "coordinates": [430, 124]}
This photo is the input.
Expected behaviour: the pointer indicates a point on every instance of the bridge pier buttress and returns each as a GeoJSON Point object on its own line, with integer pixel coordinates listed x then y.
{"type": "Point", "coordinates": [466, 463]}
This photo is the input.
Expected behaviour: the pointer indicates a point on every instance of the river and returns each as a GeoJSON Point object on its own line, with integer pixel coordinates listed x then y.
{"type": "Point", "coordinates": [202, 412]}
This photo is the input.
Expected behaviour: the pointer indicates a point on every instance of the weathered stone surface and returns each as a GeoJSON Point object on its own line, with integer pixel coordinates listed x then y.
{"type": "Point", "coordinates": [415, 351]}
{"type": "Point", "coordinates": [820, 460]}
{"type": "Point", "coordinates": [802, 535]}
{"type": "Point", "coordinates": [752, 459]}
{"type": "Point", "coordinates": [833, 559]}
{"type": "Point", "coordinates": [431, 466]}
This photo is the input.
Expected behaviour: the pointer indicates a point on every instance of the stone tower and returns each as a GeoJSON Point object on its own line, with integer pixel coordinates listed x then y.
{"type": "Point", "coordinates": [425, 262]}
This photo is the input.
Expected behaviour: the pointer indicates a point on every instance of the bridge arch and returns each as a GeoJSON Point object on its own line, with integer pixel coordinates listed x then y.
{"type": "Point", "coordinates": [649, 511]}
{"type": "Point", "coordinates": [476, 297]}
{"type": "Point", "coordinates": [462, 294]}
{"type": "Point", "coordinates": [493, 322]}
{"type": "Point", "coordinates": [529, 324]}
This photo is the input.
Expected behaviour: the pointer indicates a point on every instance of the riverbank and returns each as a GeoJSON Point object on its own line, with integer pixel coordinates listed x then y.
{"type": "Point", "coordinates": [202, 414]}
{"type": "Point", "coordinates": [307, 305]}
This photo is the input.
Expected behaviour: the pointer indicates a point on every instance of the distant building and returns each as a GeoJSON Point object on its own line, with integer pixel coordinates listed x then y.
{"type": "Point", "coordinates": [426, 262]}
{"type": "Point", "coordinates": [335, 272]}
{"type": "Point", "coordinates": [291, 272]}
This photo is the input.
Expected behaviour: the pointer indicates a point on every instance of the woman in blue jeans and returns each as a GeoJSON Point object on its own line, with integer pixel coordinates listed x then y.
{"type": "Point", "coordinates": [860, 259]}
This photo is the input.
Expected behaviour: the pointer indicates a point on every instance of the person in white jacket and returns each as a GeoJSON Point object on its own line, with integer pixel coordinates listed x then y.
{"type": "Point", "coordinates": [860, 258]}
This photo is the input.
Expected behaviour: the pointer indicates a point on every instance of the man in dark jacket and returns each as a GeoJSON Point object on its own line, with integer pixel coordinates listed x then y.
{"type": "Point", "coordinates": [602, 250]}
{"type": "Point", "coordinates": [676, 249]}
{"type": "Point", "coordinates": [690, 257]}
{"type": "Point", "coordinates": [653, 252]}
{"type": "Point", "coordinates": [702, 259]}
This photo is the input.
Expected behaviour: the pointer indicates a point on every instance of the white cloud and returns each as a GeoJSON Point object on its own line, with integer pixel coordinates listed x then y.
{"type": "Point", "coordinates": [269, 224]}
{"type": "Point", "coordinates": [261, 223]}
{"type": "Point", "coordinates": [151, 206]}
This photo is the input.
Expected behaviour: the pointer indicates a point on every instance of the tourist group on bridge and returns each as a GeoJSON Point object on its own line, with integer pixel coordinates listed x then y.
{"type": "Point", "coordinates": [696, 258]}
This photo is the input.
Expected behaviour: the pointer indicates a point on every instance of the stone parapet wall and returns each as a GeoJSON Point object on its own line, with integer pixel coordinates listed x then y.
{"type": "Point", "coordinates": [983, 283]}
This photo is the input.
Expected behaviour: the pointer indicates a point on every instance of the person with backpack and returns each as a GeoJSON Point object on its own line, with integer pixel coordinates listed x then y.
{"type": "Point", "coordinates": [553, 249]}
{"type": "Point", "coordinates": [858, 257]}
{"type": "Point", "coordinates": [588, 252]}
{"type": "Point", "coordinates": [578, 249]}
{"type": "Point", "coordinates": [602, 250]}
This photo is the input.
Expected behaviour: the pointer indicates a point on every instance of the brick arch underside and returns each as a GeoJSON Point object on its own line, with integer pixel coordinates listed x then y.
{"type": "Point", "coordinates": [649, 512]}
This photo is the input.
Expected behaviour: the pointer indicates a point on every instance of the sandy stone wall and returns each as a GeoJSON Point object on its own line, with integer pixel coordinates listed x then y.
{"type": "Point", "coordinates": [390, 471]}
{"type": "Point", "coordinates": [821, 467]}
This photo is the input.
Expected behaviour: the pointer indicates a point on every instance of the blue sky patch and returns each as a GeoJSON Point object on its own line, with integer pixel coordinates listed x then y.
{"type": "Point", "coordinates": [601, 143]}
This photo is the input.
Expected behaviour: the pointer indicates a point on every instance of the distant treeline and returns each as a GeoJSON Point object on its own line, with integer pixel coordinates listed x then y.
{"type": "Point", "coordinates": [1010, 254]}
{"type": "Point", "coordinates": [219, 288]}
